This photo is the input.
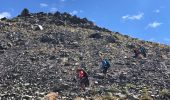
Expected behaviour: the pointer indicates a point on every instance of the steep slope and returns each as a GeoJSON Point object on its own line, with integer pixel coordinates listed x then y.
{"type": "Point", "coordinates": [35, 62]}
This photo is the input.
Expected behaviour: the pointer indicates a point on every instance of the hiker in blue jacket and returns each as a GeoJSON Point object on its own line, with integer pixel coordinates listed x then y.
{"type": "Point", "coordinates": [105, 66]}
{"type": "Point", "coordinates": [143, 51]}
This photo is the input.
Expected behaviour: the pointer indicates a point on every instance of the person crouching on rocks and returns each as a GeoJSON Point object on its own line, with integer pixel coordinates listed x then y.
{"type": "Point", "coordinates": [105, 65]}
{"type": "Point", "coordinates": [82, 78]}
{"type": "Point", "coordinates": [143, 51]}
{"type": "Point", "coordinates": [136, 52]}
{"type": "Point", "coordinates": [139, 52]}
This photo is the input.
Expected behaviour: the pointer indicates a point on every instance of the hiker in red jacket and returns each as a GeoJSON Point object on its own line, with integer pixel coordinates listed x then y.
{"type": "Point", "coordinates": [82, 78]}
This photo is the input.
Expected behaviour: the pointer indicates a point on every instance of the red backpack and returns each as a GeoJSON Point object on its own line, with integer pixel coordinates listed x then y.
{"type": "Point", "coordinates": [81, 73]}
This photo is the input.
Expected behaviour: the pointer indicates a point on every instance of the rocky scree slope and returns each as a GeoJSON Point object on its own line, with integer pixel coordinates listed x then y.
{"type": "Point", "coordinates": [36, 61]}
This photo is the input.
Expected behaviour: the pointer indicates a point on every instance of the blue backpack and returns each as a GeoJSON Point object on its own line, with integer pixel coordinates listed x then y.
{"type": "Point", "coordinates": [105, 63]}
{"type": "Point", "coordinates": [142, 49]}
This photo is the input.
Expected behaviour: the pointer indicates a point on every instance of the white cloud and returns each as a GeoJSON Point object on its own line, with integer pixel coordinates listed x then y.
{"type": "Point", "coordinates": [81, 11]}
{"type": "Point", "coordinates": [5, 14]}
{"type": "Point", "coordinates": [155, 24]}
{"type": "Point", "coordinates": [125, 17]}
{"type": "Point", "coordinates": [133, 17]}
{"type": "Point", "coordinates": [53, 9]}
{"type": "Point", "coordinates": [74, 12]}
{"type": "Point", "coordinates": [43, 5]}
{"type": "Point", "coordinates": [157, 11]}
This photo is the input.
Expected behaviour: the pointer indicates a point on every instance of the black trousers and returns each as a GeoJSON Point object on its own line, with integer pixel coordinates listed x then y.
{"type": "Point", "coordinates": [105, 70]}
{"type": "Point", "coordinates": [84, 81]}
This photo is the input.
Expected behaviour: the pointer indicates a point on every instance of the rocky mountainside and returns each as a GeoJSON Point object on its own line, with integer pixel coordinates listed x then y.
{"type": "Point", "coordinates": [40, 53]}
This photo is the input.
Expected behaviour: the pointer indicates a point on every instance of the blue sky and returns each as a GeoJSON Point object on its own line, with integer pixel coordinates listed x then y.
{"type": "Point", "coordinates": [143, 19]}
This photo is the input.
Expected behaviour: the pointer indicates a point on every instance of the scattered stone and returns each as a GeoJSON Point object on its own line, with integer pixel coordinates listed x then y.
{"type": "Point", "coordinates": [111, 39]}
{"type": "Point", "coordinates": [51, 96]}
{"type": "Point", "coordinates": [95, 36]}
{"type": "Point", "coordinates": [79, 98]}
{"type": "Point", "coordinates": [96, 82]}
{"type": "Point", "coordinates": [35, 62]}
{"type": "Point", "coordinates": [38, 27]}
{"type": "Point", "coordinates": [120, 95]}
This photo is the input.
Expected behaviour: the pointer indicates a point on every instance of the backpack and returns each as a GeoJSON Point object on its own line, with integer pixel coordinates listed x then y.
{"type": "Point", "coordinates": [82, 74]}
{"type": "Point", "coordinates": [105, 63]}
{"type": "Point", "coordinates": [142, 49]}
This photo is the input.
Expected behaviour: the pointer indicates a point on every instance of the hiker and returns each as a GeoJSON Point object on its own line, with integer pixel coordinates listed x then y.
{"type": "Point", "coordinates": [86, 69]}
{"type": "Point", "coordinates": [132, 45]}
{"type": "Point", "coordinates": [136, 52]}
{"type": "Point", "coordinates": [105, 66]}
{"type": "Point", "coordinates": [143, 51]}
{"type": "Point", "coordinates": [82, 78]}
